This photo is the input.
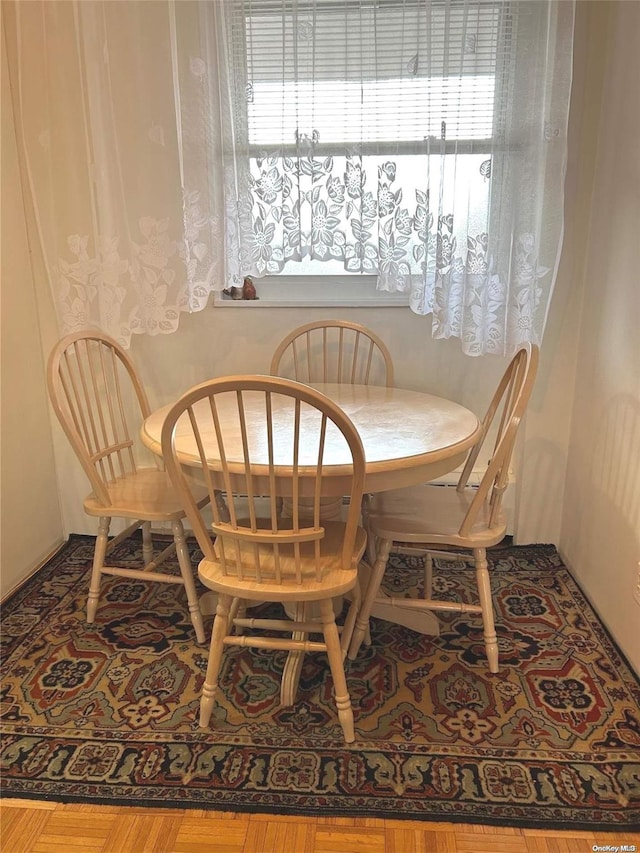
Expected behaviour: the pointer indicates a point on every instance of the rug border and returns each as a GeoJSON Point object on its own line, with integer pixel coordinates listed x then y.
{"type": "Point", "coordinates": [289, 811]}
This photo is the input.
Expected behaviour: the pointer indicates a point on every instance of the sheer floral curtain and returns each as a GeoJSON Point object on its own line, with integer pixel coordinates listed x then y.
{"type": "Point", "coordinates": [171, 148]}
{"type": "Point", "coordinates": [421, 142]}
{"type": "Point", "coordinates": [131, 231]}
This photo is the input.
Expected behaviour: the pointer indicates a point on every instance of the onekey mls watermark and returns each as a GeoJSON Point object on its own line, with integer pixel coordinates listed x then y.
{"type": "Point", "coordinates": [614, 848]}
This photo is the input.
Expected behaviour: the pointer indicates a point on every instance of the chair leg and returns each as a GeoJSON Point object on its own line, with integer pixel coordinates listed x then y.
{"type": "Point", "coordinates": [362, 620]}
{"type": "Point", "coordinates": [219, 632]}
{"type": "Point", "coordinates": [350, 621]}
{"type": "Point", "coordinates": [147, 544]}
{"type": "Point", "coordinates": [484, 591]}
{"type": "Point", "coordinates": [184, 561]}
{"type": "Point", "coordinates": [102, 541]}
{"type": "Point", "coordinates": [371, 539]}
{"type": "Point", "coordinates": [365, 568]}
{"type": "Point", "coordinates": [428, 575]}
{"type": "Point", "coordinates": [334, 653]}
{"type": "Point", "coordinates": [238, 610]}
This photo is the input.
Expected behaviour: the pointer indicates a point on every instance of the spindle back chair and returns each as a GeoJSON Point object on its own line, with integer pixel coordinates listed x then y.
{"type": "Point", "coordinates": [254, 454]}
{"type": "Point", "coordinates": [100, 403]}
{"type": "Point", "coordinates": [467, 518]}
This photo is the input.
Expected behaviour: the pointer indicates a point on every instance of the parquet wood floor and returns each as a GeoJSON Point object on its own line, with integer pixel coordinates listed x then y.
{"type": "Point", "coordinates": [29, 826]}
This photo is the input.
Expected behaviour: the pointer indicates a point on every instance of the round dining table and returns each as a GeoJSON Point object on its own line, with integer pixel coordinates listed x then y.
{"type": "Point", "coordinates": [409, 437]}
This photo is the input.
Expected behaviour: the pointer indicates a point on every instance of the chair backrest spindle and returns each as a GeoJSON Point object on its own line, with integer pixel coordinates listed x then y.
{"type": "Point", "coordinates": [333, 351]}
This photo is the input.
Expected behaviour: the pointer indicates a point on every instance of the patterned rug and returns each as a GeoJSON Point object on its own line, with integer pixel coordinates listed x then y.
{"type": "Point", "coordinates": [108, 713]}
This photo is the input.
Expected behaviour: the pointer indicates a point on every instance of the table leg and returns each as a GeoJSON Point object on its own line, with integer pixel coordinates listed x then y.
{"type": "Point", "coordinates": [422, 621]}
{"type": "Point", "coordinates": [330, 508]}
{"type": "Point", "coordinates": [293, 665]}
{"type": "Point", "coordinates": [208, 603]}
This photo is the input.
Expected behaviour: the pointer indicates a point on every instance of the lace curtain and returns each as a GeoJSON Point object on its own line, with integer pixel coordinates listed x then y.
{"type": "Point", "coordinates": [170, 149]}
{"type": "Point", "coordinates": [123, 169]}
{"type": "Point", "coordinates": [422, 142]}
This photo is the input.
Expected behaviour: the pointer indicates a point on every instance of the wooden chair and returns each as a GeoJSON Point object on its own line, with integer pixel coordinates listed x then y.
{"type": "Point", "coordinates": [92, 381]}
{"type": "Point", "coordinates": [460, 518]}
{"type": "Point", "coordinates": [333, 351]}
{"type": "Point", "coordinates": [296, 561]}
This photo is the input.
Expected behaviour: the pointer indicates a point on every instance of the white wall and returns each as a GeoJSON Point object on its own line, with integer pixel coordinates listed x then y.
{"type": "Point", "coordinates": [545, 435]}
{"type": "Point", "coordinates": [600, 538]}
{"type": "Point", "coordinates": [31, 521]}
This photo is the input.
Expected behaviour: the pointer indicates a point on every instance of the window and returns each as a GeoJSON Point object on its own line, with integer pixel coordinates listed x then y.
{"type": "Point", "coordinates": [359, 117]}
{"type": "Point", "coordinates": [418, 146]}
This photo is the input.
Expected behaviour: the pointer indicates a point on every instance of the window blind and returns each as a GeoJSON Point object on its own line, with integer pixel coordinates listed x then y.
{"type": "Point", "coordinates": [351, 72]}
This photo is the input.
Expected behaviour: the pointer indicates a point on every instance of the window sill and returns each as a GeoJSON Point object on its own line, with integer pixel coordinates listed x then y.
{"type": "Point", "coordinates": [315, 292]}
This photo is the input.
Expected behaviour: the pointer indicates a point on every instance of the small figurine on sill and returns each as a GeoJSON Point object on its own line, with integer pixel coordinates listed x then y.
{"type": "Point", "coordinates": [247, 291]}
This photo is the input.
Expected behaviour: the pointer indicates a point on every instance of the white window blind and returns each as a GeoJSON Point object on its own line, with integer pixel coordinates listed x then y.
{"type": "Point", "coordinates": [371, 74]}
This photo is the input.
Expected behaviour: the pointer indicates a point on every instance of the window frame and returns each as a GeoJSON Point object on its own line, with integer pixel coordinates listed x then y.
{"type": "Point", "coordinates": [353, 289]}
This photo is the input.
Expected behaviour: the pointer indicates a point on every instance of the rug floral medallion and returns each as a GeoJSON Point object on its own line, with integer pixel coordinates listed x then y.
{"type": "Point", "coordinates": [107, 713]}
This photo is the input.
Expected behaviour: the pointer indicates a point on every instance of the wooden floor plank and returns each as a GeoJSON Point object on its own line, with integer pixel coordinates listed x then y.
{"type": "Point", "coordinates": [628, 839]}
{"type": "Point", "coordinates": [276, 836]}
{"type": "Point", "coordinates": [89, 808]}
{"type": "Point", "coordinates": [199, 835]}
{"type": "Point", "coordinates": [370, 822]}
{"type": "Point", "coordinates": [576, 833]}
{"type": "Point", "coordinates": [19, 803]}
{"type": "Point", "coordinates": [335, 820]}
{"type": "Point", "coordinates": [485, 842]}
{"type": "Point", "coordinates": [143, 833]}
{"type": "Point", "coordinates": [296, 837]}
{"type": "Point", "coordinates": [557, 844]}
{"type": "Point", "coordinates": [405, 841]}
{"type": "Point", "coordinates": [440, 840]}
{"type": "Point", "coordinates": [75, 832]}
{"type": "Point", "coordinates": [347, 839]}
{"type": "Point", "coordinates": [154, 812]}
{"type": "Point", "coordinates": [284, 818]}
{"type": "Point", "coordinates": [20, 828]}
{"type": "Point", "coordinates": [214, 814]}
{"type": "Point", "coordinates": [73, 843]}
{"type": "Point", "coordinates": [211, 835]}
{"type": "Point", "coordinates": [485, 829]}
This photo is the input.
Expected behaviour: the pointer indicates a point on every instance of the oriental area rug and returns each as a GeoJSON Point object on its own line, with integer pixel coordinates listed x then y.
{"type": "Point", "coordinates": [107, 713]}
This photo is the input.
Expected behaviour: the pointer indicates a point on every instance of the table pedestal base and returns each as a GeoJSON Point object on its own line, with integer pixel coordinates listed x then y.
{"type": "Point", "coordinates": [208, 603]}
{"type": "Point", "coordinates": [293, 664]}
{"type": "Point", "coordinates": [421, 621]}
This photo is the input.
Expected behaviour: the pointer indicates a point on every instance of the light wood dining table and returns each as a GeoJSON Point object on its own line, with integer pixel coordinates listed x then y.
{"type": "Point", "coordinates": [409, 437]}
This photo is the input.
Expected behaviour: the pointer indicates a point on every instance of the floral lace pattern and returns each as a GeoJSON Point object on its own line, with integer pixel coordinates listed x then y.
{"type": "Point", "coordinates": [155, 194]}
{"type": "Point", "coordinates": [98, 287]}
{"type": "Point", "coordinates": [335, 209]}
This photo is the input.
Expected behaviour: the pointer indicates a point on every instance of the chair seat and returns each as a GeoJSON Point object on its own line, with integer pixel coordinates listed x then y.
{"type": "Point", "coordinates": [148, 493]}
{"type": "Point", "coordinates": [432, 514]}
{"type": "Point", "coordinates": [336, 579]}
